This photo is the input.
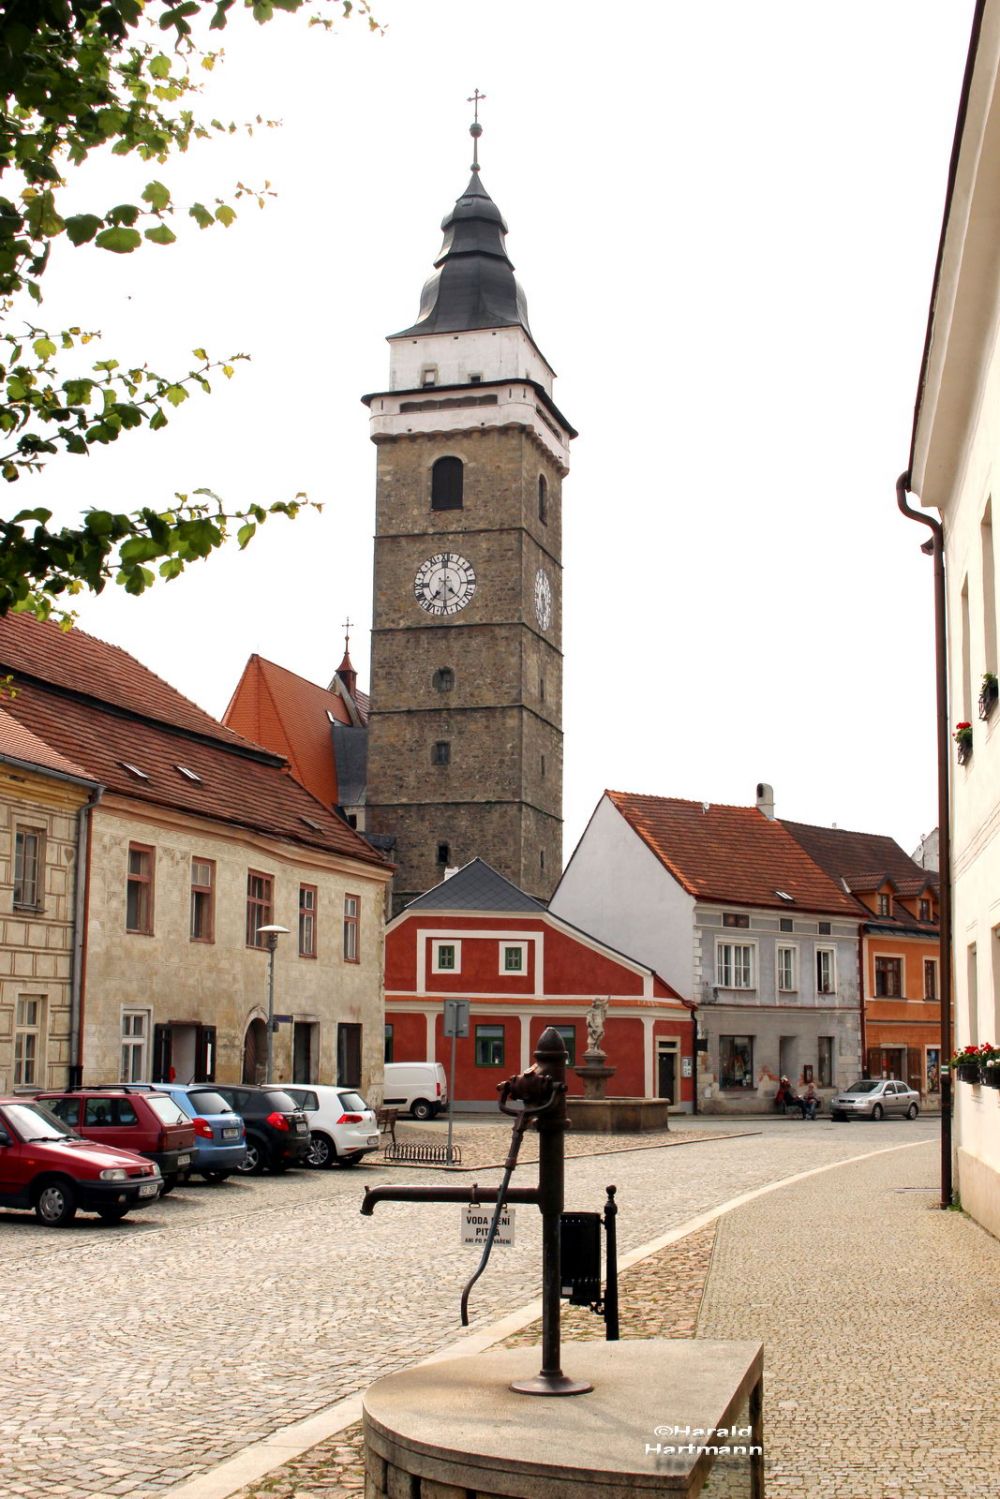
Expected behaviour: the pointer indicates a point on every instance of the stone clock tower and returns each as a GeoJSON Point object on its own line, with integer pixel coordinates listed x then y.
{"type": "Point", "coordinates": [465, 732]}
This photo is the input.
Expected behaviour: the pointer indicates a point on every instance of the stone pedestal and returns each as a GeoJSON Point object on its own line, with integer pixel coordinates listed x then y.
{"type": "Point", "coordinates": [617, 1116]}
{"type": "Point", "coordinates": [594, 1073]}
{"type": "Point", "coordinates": [455, 1430]}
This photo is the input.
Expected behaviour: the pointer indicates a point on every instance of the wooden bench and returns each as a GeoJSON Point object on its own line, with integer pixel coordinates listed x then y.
{"type": "Point", "coordinates": [386, 1121]}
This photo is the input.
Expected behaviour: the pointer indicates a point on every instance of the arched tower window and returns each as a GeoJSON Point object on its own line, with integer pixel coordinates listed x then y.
{"type": "Point", "coordinates": [447, 484]}
{"type": "Point", "coordinates": [543, 500]}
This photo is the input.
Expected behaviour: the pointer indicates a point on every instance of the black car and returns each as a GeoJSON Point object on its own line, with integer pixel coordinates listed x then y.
{"type": "Point", "coordinates": [278, 1134]}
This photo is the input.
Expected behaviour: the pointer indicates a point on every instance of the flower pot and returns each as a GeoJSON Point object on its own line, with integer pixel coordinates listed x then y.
{"type": "Point", "coordinates": [967, 1072]}
{"type": "Point", "coordinates": [964, 751]}
{"type": "Point", "coordinates": [991, 1077]}
{"type": "Point", "coordinates": [988, 698]}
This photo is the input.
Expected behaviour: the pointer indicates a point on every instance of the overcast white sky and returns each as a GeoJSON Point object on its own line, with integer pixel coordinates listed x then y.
{"type": "Point", "coordinates": [725, 219]}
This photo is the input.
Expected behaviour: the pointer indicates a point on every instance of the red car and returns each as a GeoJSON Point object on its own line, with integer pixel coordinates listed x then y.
{"type": "Point", "coordinates": [45, 1166]}
{"type": "Point", "coordinates": [138, 1119]}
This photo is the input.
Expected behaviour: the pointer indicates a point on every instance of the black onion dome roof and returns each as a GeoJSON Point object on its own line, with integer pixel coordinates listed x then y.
{"type": "Point", "coordinates": [473, 285]}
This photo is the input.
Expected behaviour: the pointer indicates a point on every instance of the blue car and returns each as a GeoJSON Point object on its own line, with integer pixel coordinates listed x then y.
{"type": "Point", "coordinates": [220, 1135]}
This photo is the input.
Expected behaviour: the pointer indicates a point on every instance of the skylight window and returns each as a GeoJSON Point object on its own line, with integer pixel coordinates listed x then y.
{"type": "Point", "coordinates": [316, 826]}
{"type": "Point", "coordinates": [784, 895]}
{"type": "Point", "coordinates": [190, 775]}
{"type": "Point", "coordinates": [133, 770]}
{"type": "Point", "coordinates": [330, 717]}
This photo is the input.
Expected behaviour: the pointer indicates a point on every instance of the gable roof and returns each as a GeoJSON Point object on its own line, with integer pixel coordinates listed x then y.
{"type": "Point", "coordinates": [864, 860]}
{"type": "Point", "coordinates": [475, 887]}
{"type": "Point", "coordinates": [731, 854]}
{"type": "Point", "coordinates": [19, 744]}
{"type": "Point", "coordinates": [295, 718]}
{"type": "Point", "coordinates": [185, 759]}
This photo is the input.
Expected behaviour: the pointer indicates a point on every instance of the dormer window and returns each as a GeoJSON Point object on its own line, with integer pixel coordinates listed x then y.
{"type": "Point", "coordinates": [883, 905]}
{"type": "Point", "coordinates": [429, 375]}
{"type": "Point", "coordinates": [925, 910]}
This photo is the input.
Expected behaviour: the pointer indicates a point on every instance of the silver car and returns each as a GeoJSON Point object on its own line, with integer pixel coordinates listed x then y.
{"type": "Point", "coordinates": [873, 1098]}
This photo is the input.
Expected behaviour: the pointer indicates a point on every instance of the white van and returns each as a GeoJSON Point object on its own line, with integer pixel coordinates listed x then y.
{"type": "Point", "coordinates": [417, 1088]}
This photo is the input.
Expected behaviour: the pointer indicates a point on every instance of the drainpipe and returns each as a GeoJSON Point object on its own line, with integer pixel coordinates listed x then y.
{"type": "Point", "coordinates": [81, 907]}
{"type": "Point", "coordinates": [861, 991]}
{"type": "Point", "coordinates": [936, 546]}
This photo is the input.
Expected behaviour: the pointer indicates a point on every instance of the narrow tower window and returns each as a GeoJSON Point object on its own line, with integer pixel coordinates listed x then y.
{"type": "Point", "coordinates": [447, 484]}
{"type": "Point", "coordinates": [443, 679]}
{"type": "Point", "coordinates": [441, 753]}
{"type": "Point", "coordinates": [444, 853]}
{"type": "Point", "coordinates": [543, 500]}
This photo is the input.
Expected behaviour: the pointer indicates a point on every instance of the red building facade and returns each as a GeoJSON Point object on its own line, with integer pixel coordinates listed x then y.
{"type": "Point", "coordinates": [477, 937]}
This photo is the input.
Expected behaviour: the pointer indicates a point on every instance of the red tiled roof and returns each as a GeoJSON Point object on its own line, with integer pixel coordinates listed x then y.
{"type": "Point", "coordinates": [19, 743]}
{"type": "Point", "coordinates": [275, 707]}
{"type": "Point", "coordinates": [238, 782]}
{"type": "Point", "coordinates": [732, 854]}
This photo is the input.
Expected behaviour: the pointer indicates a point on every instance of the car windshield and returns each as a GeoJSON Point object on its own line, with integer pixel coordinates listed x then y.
{"type": "Point", "coordinates": [353, 1101]}
{"type": "Point", "coordinates": [279, 1100]}
{"type": "Point", "coordinates": [865, 1085]}
{"type": "Point", "coordinates": [166, 1110]}
{"type": "Point", "coordinates": [33, 1121]}
{"type": "Point", "coordinates": [209, 1103]}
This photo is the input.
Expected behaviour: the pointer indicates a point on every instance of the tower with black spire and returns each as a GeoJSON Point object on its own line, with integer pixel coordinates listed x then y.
{"type": "Point", "coordinates": [465, 730]}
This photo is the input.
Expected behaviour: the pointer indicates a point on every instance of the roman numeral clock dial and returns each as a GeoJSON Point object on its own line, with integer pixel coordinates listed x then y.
{"type": "Point", "coordinates": [444, 584]}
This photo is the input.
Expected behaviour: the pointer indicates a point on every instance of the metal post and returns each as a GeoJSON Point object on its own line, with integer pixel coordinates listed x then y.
{"type": "Point", "coordinates": [451, 1093]}
{"type": "Point", "coordinates": [272, 944]}
{"type": "Point", "coordinates": [611, 1268]}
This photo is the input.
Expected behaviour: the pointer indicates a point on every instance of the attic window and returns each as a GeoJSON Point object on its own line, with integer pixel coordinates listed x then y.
{"type": "Point", "coordinates": [429, 374]}
{"type": "Point", "coordinates": [310, 823]}
{"type": "Point", "coordinates": [475, 379]}
{"type": "Point", "coordinates": [883, 905]}
{"type": "Point", "coordinates": [133, 770]}
{"type": "Point", "coordinates": [190, 775]}
{"type": "Point", "coordinates": [784, 895]}
{"type": "Point", "coordinates": [925, 910]}
{"type": "Point", "coordinates": [330, 717]}
{"type": "Point", "coordinates": [735, 918]}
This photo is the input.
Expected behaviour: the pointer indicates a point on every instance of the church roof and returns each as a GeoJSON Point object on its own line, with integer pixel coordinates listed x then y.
{"type": "Point", "coordinates": [295, 718]}
{"type": "Point", "coordinates": [473, 285]}
{"type": "Point", "coordinates": [475, 887]}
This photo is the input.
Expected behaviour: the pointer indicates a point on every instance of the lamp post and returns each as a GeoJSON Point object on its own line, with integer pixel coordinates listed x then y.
{"type": "Point", "coordinates": [272, 933]}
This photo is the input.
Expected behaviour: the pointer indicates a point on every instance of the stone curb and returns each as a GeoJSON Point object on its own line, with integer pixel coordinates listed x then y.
{"type": "Point", "coordinates": [261, 1458]}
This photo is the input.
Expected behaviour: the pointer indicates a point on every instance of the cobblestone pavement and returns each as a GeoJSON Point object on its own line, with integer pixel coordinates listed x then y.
{"type": "Point", "coordinates": [141, 1354]}
{"type": "Point", "coordinates": [878, 1314]}
{"type": "Point", "coordinates": [487, 1145]}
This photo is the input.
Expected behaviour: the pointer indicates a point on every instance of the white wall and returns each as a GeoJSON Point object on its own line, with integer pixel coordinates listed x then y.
{"type": "Point", "coordinates": [617, 890]}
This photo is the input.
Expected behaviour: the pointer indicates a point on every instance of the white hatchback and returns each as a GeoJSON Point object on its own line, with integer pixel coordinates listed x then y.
{"type": "Point", "coordinates": [342, 1126]}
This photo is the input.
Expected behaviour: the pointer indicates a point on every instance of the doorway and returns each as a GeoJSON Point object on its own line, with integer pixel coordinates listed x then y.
{"type": "Point", "coordinates": [255, 1052]}
{"type": "Point", "coordinates": [305, 1051]}
{"type": "Point", "coordinates": [666, 1070]}
{"type": "Point", "coordinates": [183, 1052]}
{"type": "Point", "coordinates": [349, 1055]}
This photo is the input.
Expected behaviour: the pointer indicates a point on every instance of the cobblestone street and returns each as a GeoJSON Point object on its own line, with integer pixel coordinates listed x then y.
{"type": "Point", "coordinates": [150, 1352]}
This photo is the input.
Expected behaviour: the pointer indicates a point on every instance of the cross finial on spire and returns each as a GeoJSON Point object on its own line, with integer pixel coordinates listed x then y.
{"type": "Point", "coordinates": [347, 634]}
{"type": "Point", "coordinates": [475, 129]}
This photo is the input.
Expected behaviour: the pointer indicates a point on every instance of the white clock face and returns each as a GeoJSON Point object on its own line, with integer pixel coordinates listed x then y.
{"type": "Point", "coordinates": [444, 583]}
{"type": "Point", "coordinates": [543, 600]}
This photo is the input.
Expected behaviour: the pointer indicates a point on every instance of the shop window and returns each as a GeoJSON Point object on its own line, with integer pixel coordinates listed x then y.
{"type": "Point", "coordinates": [489, 1046]}
{"type": "Point", "coordinates": [736, 1061]}
{"type": "Point", "coordinates": [824, 1048]}
{"type": "Point", "coordinates": [387, 1056]}
{"type": "Point", "coordinates": [568, 1034]}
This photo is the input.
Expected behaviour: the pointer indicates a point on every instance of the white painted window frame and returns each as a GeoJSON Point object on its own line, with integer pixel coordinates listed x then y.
{"type": "Point", "coordinates": [826, 947]}
{"type": "Point", "coordinates": [793, 948]}
{"type": "Point", "coordinates": [140, 1044]}
{"type": "Point", "coordinates": [751, 948]}
{"type": "Point", "coordinates": [522, 947]}
{"type": "Point", "coordinates": [436, 945]}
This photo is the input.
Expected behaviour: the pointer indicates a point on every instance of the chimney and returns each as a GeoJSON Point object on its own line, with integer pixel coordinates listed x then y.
{"type": "Point", "coordinates": [765, 800]}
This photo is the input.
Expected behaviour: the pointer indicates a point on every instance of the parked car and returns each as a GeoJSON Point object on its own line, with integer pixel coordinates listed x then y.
{"type": "Point", "coordinates": [874, 1097]}
{"type": "Point", "coordinates": [277, 1130]}
{"type": "Point", "coordinates": [133, 1118]}
{"type": "Point", "coordinates": [341, 1125]}
{"type": "Point", "coordinates": [47, 1166]}
{"type": "Point", "coordinates": [220, 1146]}
{"type": "Point", "coordinates": [417, 1088]}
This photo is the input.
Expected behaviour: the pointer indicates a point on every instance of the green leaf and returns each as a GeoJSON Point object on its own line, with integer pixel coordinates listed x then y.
{"type": "Point", "coordinates": [201, 215]}
{"type": "Point", "coordinates": [159, 66]}
{"type": "Point", "coordinates": [156, 195]}
{"type": "Point", "coordinates": [120, 241]}
{"type": "Point", "coordinates": [161, 235]}
{"type": "Point", "coordinates": [124, 213]}
{"type": "Point", "coordinates": [175, 394]}
{"type": "Point", "coordinates": [245, 534]}
{"type": "Point", "coordinates": [82, 227]}
{"type": "Point", "coordinates": [157, 420]}
{"type": "Point", "coordinates": [225, 215]}
{"type": "Point", "coordinates": [44, 348]}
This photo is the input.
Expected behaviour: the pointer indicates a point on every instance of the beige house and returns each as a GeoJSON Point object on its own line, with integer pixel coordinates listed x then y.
{"type": "Point", "coordinates": [44, 801]}
{"type": "Point", "coordinates": [200, 839]}
{"type": "Point", "coordinates": [954, 464]}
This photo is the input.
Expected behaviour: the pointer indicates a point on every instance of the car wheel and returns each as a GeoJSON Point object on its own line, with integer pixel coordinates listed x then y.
{"type": "Point", "coordinates": [422, 1110]}
{"type": "Point", "coordinates": [216, 1176]}
{"type": "Point", "coordinates": [877, 1111]}
{"type": "Point", "coordinates": [321, 1152]}
{"type": "Point", "coordinates": [254, 1163]}
{"type": "Point", "coordinates": [55, 1204]}
{"type": "Point", "coordinates": [111, 1214]}
{"type": "Point", "coordinates": [912, 1111]}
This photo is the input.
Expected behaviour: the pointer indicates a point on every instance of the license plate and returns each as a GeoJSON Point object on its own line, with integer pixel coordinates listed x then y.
{"type": "Point", "coordinates": [230, 1134]}
{"type": "Point", "coordinates": [373, 1139]}
{"type": "Point", "coordinates": [300, 1127]}
{"type": "Point", "coordinates": [183, 1160]}
{"type": "Point", "coordinates": [148, 1189]}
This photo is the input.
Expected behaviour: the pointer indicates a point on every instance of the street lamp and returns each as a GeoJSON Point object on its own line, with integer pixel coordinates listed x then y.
{"type": "Point", "coordinates": [272, 933]}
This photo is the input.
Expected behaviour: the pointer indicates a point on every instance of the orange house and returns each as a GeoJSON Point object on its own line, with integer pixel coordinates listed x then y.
{"type": "Point", "coordinates": [899, 951]}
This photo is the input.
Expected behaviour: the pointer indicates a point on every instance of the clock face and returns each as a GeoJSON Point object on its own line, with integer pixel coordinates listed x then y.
{"type": "Point", "coordinates": [444, 583]}
{"type": "Point", "coordinates": [543, 600]}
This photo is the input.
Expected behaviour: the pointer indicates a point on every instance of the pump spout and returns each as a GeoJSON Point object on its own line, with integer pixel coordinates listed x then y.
{"type": "Point", "coordinates": [473, 1195]}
